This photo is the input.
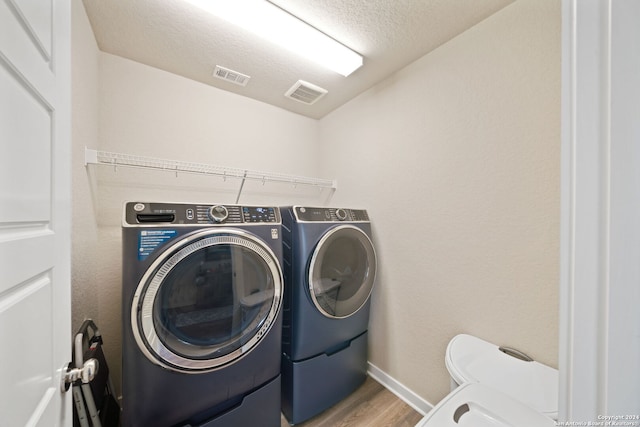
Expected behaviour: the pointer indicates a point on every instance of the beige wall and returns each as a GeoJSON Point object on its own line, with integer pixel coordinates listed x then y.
{"type": "Point", "coordinates": [457, 158]}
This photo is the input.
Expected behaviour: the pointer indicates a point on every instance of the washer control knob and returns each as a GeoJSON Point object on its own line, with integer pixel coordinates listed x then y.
{"type": "Point", "coordinates": [218, 213]}
{"type": "Point", "coordinates": [341, 214]}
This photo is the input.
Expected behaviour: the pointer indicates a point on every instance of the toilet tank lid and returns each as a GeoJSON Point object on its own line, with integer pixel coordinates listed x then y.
{"type": "Point", "coordinates": [471, 359]}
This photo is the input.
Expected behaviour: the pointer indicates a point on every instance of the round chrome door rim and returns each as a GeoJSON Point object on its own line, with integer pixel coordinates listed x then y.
{"type": "Point", "coordinates": [144, 330]}
{"type": "Point", "coordinates": [314, 259]}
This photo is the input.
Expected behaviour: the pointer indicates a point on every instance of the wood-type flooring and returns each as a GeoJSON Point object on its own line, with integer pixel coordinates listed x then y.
{"type": "Point", "coordinates": [371, 405]}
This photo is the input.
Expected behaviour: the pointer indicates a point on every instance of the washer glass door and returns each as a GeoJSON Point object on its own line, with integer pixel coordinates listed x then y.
{"type": "Point", "coordinates": [342, 271]}
{"type": "Point", "coordinates": [207, 301]}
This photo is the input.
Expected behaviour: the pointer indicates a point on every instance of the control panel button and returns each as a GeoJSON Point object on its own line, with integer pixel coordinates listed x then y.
{"type": "Point", "coordinates": [341, 214]}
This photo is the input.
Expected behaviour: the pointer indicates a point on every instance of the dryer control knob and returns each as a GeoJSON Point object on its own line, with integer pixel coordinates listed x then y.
{"type": "Point", "coordinates": [218, 213]}
{"type": "Point", "coordinates": [341, 214]}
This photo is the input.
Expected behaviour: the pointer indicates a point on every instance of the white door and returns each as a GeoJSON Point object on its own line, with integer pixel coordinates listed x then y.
{"type": "Point", "coordinates": [35, 192]}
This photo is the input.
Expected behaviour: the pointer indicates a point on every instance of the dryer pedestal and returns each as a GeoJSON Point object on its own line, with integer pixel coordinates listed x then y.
{"type": "Point", "coordinates": [309, 386]}
{"type": "Point", "coordinates": [257, 405]}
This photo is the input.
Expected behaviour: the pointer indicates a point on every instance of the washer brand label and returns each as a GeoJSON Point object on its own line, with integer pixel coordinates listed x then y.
{"type": "Point", "coordinates": [274, 233]}
{"type": "Point", "coordinates": [149, 240]}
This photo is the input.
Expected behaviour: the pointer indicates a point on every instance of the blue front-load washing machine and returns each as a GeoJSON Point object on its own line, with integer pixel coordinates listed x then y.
{"type": "Point", "coordinates": [201, 319]}
{"type": "Point", "coordinates": [329, 267]}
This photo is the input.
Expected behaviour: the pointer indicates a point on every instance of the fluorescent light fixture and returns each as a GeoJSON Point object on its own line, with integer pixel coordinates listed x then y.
{"type": "Point", "coordinates": [276, 25]}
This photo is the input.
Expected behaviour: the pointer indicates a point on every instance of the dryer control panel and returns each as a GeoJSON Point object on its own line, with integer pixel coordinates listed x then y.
{"type": "Point", "coordinates": [311, 214]}
{"type": "Point", "coordinates": [149, 214]}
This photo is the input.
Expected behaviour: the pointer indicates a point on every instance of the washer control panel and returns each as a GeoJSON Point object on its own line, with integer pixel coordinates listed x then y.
{"type": "Point", "coordinates": [137, 213]}
{"type": "Point", "coordinates": [312, 214]}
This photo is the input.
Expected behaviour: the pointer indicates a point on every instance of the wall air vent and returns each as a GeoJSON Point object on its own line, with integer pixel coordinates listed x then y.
{"type": "Point", "coordinates": [231, 76]}
{"type": "Point", "coordinates": [305, 92]}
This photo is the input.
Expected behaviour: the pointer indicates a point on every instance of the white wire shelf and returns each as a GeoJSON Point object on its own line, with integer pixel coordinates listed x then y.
{"type": "Point", "coordinates": [116, 160]}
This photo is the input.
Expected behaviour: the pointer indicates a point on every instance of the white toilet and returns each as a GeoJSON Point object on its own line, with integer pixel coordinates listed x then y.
{"type": "Point", "coordinates": [476, 405]}
{"type": "Point", "coordinates": [494, 386]}
{"type": "Point", "coordinates": [470, 359]}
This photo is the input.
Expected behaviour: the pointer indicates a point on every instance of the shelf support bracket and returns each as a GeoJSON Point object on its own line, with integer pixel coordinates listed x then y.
{"type": "Point", "coordinates": [244, 178]}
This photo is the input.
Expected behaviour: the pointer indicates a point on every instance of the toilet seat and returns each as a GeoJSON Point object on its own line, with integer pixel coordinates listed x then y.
{"type": "Point", "coordinates": [470, 359]}
{"type": "Point", "coordinates": [476, 405]}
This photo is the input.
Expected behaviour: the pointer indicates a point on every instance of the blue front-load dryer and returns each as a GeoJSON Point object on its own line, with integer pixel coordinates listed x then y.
{"type": "Point", "coordinates": [329, 267]}
{"type": "Point", "coordinates": [202, 315]}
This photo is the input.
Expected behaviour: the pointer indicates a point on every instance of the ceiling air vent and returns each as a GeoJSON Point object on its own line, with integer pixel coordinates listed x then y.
{"type": "Point", "coordinates": [305, 92]}
{"type": "Point", "coordinates": [231, 76]}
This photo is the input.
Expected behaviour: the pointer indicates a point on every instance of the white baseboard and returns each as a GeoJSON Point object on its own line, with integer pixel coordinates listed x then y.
{"type": "Point", "coordinates": [397, 388]}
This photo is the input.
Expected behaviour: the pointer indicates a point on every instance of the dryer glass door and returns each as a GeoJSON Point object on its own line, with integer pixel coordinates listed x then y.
{"type": "Point", "coordinates": [207, 301]}
{"type": "Point", "coordinates": [342, 271]}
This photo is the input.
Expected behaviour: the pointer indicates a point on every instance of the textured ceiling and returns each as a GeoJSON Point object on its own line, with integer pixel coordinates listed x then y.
{"type": "Point", "coordinates": [179, 38]}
